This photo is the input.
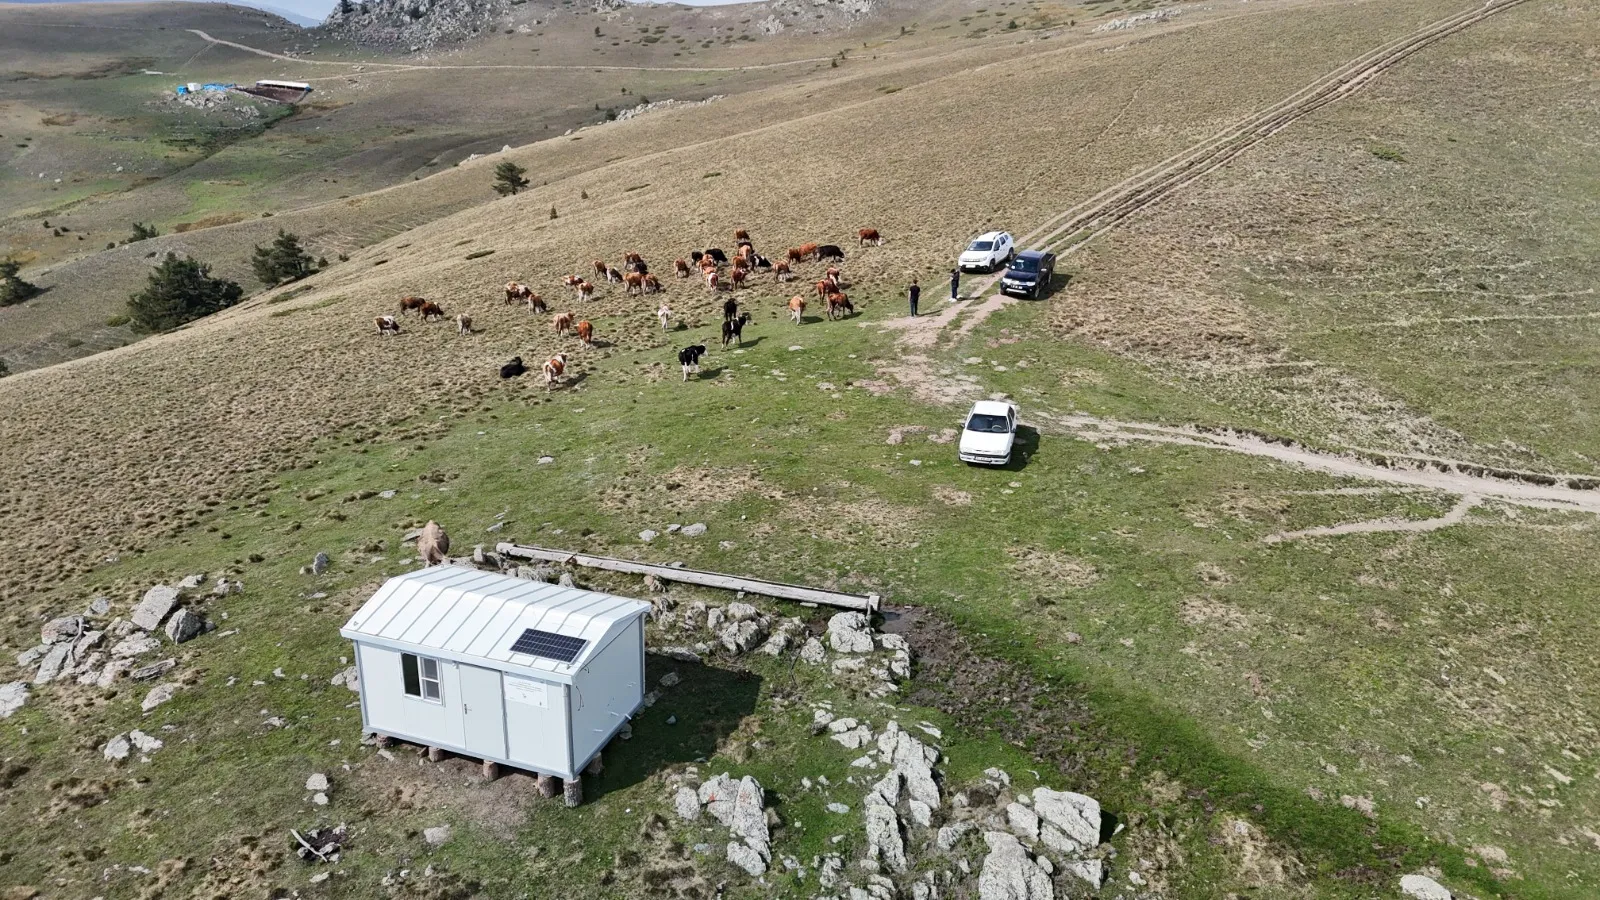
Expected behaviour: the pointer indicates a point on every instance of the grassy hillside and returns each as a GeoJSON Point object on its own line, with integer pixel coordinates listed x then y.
{"type": "Point", "coordinates": [1271, 709]}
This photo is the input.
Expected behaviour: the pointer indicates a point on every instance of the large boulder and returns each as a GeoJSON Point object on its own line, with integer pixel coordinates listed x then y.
{"type": "Point", "coordinates": [1009, 873]}
{"type": "Point", "coordinates": [743, 636]}
{"type": "Point", "coordinates": [53, 664]}
{"type": "Point", "coordinates": [884, 842]}
{"type": "Point", "coordinates": [66, 628]}
{"type": "Point", "coordinates": [850, 632]}
{"type": "Point", "coordinates": [747, 858]}
{"type": "Point", "coordinates": [135, 645]}
{"type": "Point", "coordinates": [153, 609]}
{"type": "Point", "coordinates": [1424, 888]}
{"type": "Point", "coordinates": [750, 817]}
{"type": "Point", "coordinates": [1075, 817]}
{"type": "Point", "coordinates": [158, 695]}
{"type": "Point", "coordinates": [913, 760]}
{"type": "Point", "coordinates": [185, 626]}
{"type": "Point", "coordinates": [12, 695]}
{"type": "Point", "coordinates": [687, 804]}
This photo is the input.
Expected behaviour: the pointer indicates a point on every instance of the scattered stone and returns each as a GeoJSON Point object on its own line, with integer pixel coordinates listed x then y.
{"type": "Point", "coordinates": [951, 835]}
{"type": "Point", "coordinates": [687, 804]}
{"type": "Point", "coordinates": [99, 606]}
{"type": "Point", "coordinates": [145, 673]}
{"type": "Point", "coordinates": [350, 678]}
{"type": "Point", "coordinates": [670, 679]}
{"type": "Point", "coordinates": [31, 655]}
{"type": "Point", "coordinates": [12, 696]}
{"type": "Point", "coordinates": [1009, 873]}
{"type": "Point", "coordinates": [114, 669]}
{"type": "Point", "coordinates": [66, 628]}
{"type": "Point", "coordinates": [742, 637]}
{"type": "Point", "coordinates": [320, 563]}
{"type": "Point", "coordinates": [185, 626]}
{"type": "Point", "coordinates": [813, 652]}
{"type": "Point", "coordinates": [1023, 822]}
{"type": "Point", "coordinates": [1090, 870]}
{"type": "Point", "coordinates": [566, 580]}
{"type": "Point", "coordinates": [850, 632]}
{"type": "Point", "coordinates": [437, 835]}
{"type": "Point", "coordinates": [135, 645]}
{"type": "Point", "coordinates": [317, 782]}
{"type": "Point", "coordinates": [746, 858]}
{"type": "Point", "coordinates": [695, 530]}
{"type": "Point", "coordinates": [1424, 888]}
{"type": "Point", "coordinates": [153, 609]}
{"type": "Point", "coordinates": [54, 662]}
{"type": "Point", "coordinates": [648, 535]}
{"type": "Point", "coordinates": [118, 748]}
{"type": "Point", "coordinates": [144, 743]}
{"type": "Point", "coordinates": [158, 695]}
{"type": "Point", "coordinates": [192, 582]}
{"type": "Point", "coordinates": [1075, 815]}
{"type": "Point", "coordinates": [275, 722]}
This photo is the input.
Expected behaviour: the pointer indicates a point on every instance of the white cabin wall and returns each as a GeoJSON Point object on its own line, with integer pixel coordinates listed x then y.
{"type": "Point", "coordinates": [536, 734]}
{"type": "Point", "coordinates": [606, 692]}
{"type": "Point", "coordinates": [389, 711]}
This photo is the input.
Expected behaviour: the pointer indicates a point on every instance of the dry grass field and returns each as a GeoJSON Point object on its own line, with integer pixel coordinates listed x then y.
{"type": "Point", "coordinates": [1277, 706]}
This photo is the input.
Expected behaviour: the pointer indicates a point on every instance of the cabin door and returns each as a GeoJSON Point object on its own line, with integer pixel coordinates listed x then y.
{"type": "Point", "coordinates": [483, 712]}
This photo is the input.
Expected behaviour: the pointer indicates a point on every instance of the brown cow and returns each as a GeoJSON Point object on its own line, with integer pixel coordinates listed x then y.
{"type": "Point", "coordinates": [536, 303]}
{"type": "Point", "coordinates": [586, 333]}
{"type": "Point", "coordinates": [797, 308]}
{"type": "Point", "coordinates": [631, 258]}
{"type": "Point", "coordinates": [809, 250]}
{"type": "Point", "coordinates": [713, 280]}
{"type": "Point", "coordinates": [387, 325]}
{"type": "Point", "coordinates": [431, 310]}
{"type": "Point", "coordinates": [652, 285]}
{"type": "Point", "coordinates": [825, 287]}
{"type": "Point", "coordinates": [682, 267]}
{"type": "Point", "coordinates": [599, 268]}
{"type": "Point", "coordinates": [407, 304]}
{"type": "Point", "coordinates": [869, 234]}
{"type": "Point", "coordinates": [585, 291]}
{"type": "Point", "coordinates": [572, 281]}
{"type": "Point", "coordinates": [463, 324]}
{"type": "Point", "coordinates": [781, 272]}
{"type": "Point", "coordinates": [562, 323]}
{"type": "Point", "coordinates": [554, 368]}
{"type": "Point", "coordinates": [635, 283]}
{"type": "Point", "coordinates": [515, 291]}
{"type": "Point", "coordinates": [795, 255]}
{"type": "Point", "coordinates": [835, 275]}
{"type": "Point", "coordinates": [741, 235]}
{"type": "Point", "coordinates": [839, 305]}
{"type": "Point", "coordinates": [736, 280]}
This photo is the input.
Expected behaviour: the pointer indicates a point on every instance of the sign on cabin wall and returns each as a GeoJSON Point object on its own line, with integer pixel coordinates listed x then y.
{"type": "Point", "coordinates": [527, 692]}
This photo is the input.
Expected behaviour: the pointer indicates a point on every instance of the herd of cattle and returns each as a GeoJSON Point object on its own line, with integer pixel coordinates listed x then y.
{"type": "Point", "coordinates": [638, 280]}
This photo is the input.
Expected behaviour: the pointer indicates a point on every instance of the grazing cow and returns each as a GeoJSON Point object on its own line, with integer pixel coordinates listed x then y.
{"type": "Point", "coordinates": [572, 281]}
{"type": "Point", "coordinates": [795, 255]}
{"type": "Point", "coordinates": [807, 251]}
{"type": "Point", "coordinates": [741, 235]}
{"type": "Point", "coordinates": [536, 303]}
{"type": "Point", "coordinates": [641, 267]}
{"type": "Point", "coordinates": [387, 325]}
{"type": "Point", "coordinates": [635, 283]}
{"type": "Point", "coordinates": [745, 251]}
{"type": "Point", "coordinates": [682, 267]}
{"type": "Point", "coordinates": [781, 272]}
{"type": "Point", "coordinates": [839, 306]}
{"type": "Point", "coordinates": [713, 280]}
{"type": "Point", "coordinates": [757, 261]}
{"type": "Point", "coordinates": [515, 291]}
{"type": "Point", "coordinates": [463, 324]}
{"type": "Point", "coordinates": [869, 234]}
{"type": "Point", "coordinates": [830, 251]}
{"type": "Point", "coordinates": [600, 268]}
{"type": "Point", "coordinates": [825, 287]}
{"type": "Point", "coordinates": [407, 304]}
{"type": "Point", "coordinates": [513, 369]}
{"type": "Point", "coordinates": [736, 280]}
{"type": "Point", "coordinates": [689, 359]}
{"type": "Point", "coordinates": [562, 323]}
{"type": "Point", "coordinates": [718, 256]}
{"type": "Point", "coordinates": [665, 315]}
{"type": "Point", "coordinates": [431, 310]}
{"type": "Point", "coordinates": [730, 308]}
{"type": "Point", "coordinates": [835, 275]}
{"type": "Point", "coordinates": [613, 276]}
{"type": "Point", "coordinates": [586, 333]}
{"type": "Point", "coordinates": [632, 259]}
{"type": "Point", "coordinates": [433, 544]}
{"type": "Point", "coordinates": [585, 291]}
{"type": "Point", "coordinates": [697, 256]}
{"type": "Point", "coordinates": [652, 285]}
{"type": "Point", "coordinates": [733, 329]}
{"type": "Point", "coordinates": [797, 308]}
{"type": "Point", "coordinates": [554, 368]}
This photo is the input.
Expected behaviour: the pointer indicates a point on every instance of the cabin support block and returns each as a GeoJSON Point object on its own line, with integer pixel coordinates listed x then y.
{"type": "Point", "coordinates": [595, 767]}
{"type": "Point", "coordinates": [435, 754]}
{"type": "Point", "coordinates": [491, 770]}
{"type": "Point", "coordinates": [573, 791]}
{"type": "Point", "coordinates": [547, 785]}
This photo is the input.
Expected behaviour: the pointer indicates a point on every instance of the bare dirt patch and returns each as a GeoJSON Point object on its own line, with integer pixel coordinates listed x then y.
{"type": "Point", "coordinates": [1047, 567]}
{"type": "Point", "coordinates": [684, 488]}
{"type": "Point", "coordinates": [950, 496]}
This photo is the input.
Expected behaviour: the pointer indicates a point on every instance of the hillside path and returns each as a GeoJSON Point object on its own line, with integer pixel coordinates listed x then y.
{"type": "Point", "coordinates": [412, 67]}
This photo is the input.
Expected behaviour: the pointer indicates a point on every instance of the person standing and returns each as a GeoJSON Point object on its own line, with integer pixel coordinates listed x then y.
{"type": "Point", "coordinates": [955, 283]}
{"type": "Point", "coordinates": [916, 294]}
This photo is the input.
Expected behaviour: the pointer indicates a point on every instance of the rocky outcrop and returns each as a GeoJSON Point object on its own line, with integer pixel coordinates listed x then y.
{"type": "Point", "coordinates": [1423, 887]}
{"type": "Point", "coordinates": [415, 25]}
{"type": "Point", "coordinates": [1011, 873]}
{"type": "Point", "coordinates": [153, 609]}
{"type": "Point", "coordinates": [12, 696]}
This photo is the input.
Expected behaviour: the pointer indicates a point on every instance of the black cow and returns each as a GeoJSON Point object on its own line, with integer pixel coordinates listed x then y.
{"type": "Point", "coordinates": [829, 251]}
{"type": "Point", "coordinates": [513, 369]}
{"type": "Point", "coordinates": [695, 256]}
{"type": "Point", "coordinates": [718, 256]}
{"type": "Point", "coordinates": [689, 358]}
{"type": "Point", "coordinates": [640, 267]}
{"type": "Point", "coordinates": [730, 308]}
{"type": "Point", "coordinates": [733, 329]}
{"type": "Point", "coordinates": [757, 261]}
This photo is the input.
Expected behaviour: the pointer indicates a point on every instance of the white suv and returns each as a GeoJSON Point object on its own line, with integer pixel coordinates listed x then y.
{"type": "Point", "coordinates": [988, 251]}
{"type": "Point", "coordinates": [988, 434]}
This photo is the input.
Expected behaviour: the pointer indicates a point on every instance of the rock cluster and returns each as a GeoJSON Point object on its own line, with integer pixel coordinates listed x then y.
{"type": "Point", "coordinates": [658, 106]}
{"type": "Point", "coordinates": [739, 805]}
{"type": "Point", "coordinates": [70, 646]}
{"type": "Point", "coordinates": [416, 25]}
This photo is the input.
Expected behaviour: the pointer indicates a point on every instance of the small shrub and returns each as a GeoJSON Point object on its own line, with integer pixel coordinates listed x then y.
{"type": "Point", "coordinates": [13, 289]}
{"type": "Point", "coordinates": [117, 321]}
{"type": "Point", "coordinates": [4, 369]}
{"type": "Point", "coordinates": [142, 232]}
{"type": "Point", "coordinates": [73, 343]}
{"type": "Point", "coordinates": [1387, 154]}
{"type": "Point", "coordinates": [552, 212]}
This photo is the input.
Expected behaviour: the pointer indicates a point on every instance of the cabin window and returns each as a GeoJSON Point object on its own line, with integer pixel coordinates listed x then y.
{"type": "Point", "coordinates": [421, 677]}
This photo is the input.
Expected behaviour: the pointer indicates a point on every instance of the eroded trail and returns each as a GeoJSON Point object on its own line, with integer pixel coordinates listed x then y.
{"type": "Point", "coordinates": [1572, 493]}
{"type": "Point", "coordinates": [1073, 229]}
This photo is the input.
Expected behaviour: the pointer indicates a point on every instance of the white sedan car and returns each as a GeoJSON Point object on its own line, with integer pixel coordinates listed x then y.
{"type": "Point", "coordinates": [989, 433]}
{"type": "Point", "coordinates": [988, 251]}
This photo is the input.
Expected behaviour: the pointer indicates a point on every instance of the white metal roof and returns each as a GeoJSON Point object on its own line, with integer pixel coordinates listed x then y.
{"type": "Point", "coordinates": [452, 612]}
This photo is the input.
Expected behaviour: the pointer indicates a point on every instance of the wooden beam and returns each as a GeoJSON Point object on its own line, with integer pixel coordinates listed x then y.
{"type": "Point", "coordinates": [868, 603]}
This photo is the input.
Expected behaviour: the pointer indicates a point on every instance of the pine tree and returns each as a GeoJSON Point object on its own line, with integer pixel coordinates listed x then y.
{"type": "Point", "coordinates": [180, 290]}
{"type": "Point", "coordinates": [346, 8]}
{"type": "Point", "coordinates": [4, 369]}
{"type": "Point", "coordinates": [142, 232]}
{"type": "Point", "coordinates": [284, 260]}
{"type": "Point", "coordinates": [13, 289]}
{"type": "Point", "coordinates": [508, 178]}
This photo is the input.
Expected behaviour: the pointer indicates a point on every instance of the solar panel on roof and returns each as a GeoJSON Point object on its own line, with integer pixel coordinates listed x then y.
{"type": "Point", "coordinates": [549, 645]}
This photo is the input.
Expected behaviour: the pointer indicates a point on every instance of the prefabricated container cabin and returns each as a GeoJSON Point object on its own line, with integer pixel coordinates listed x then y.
{"type": "Point", "coordinates": [516, 672]}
